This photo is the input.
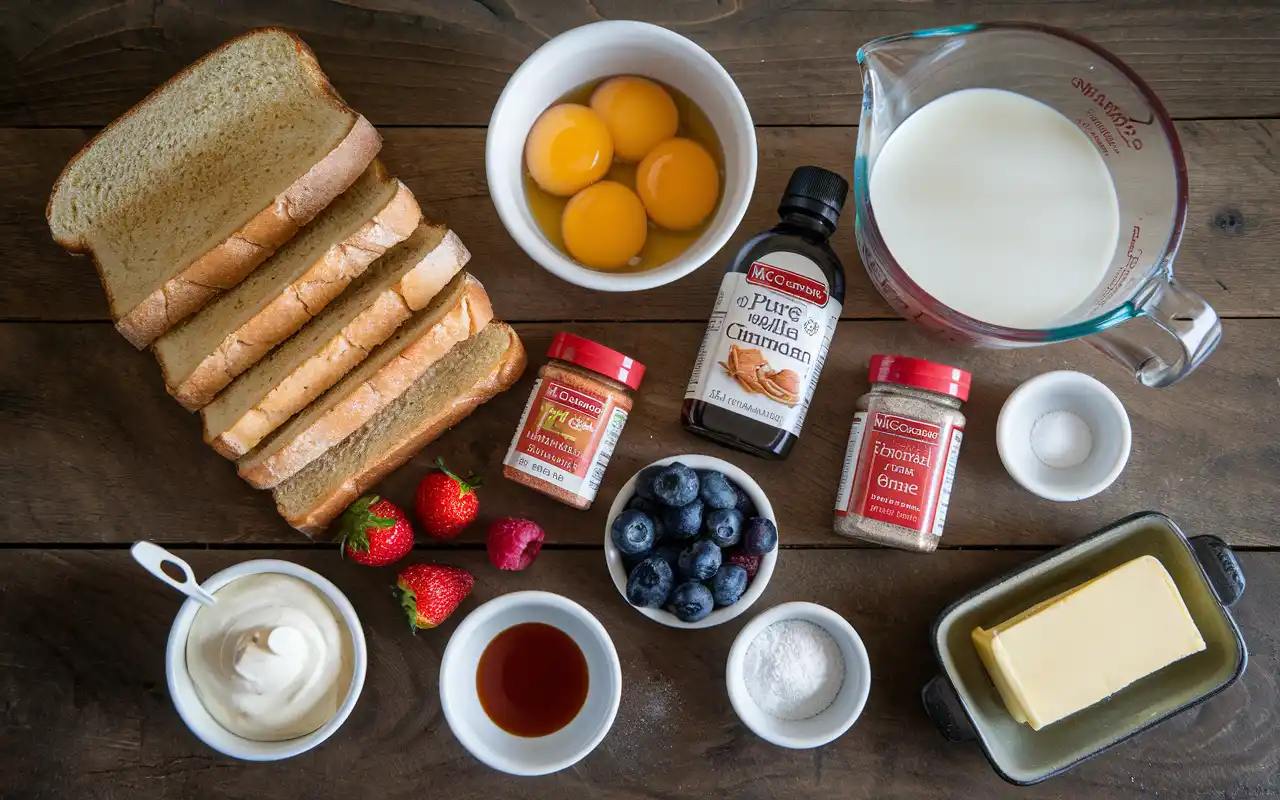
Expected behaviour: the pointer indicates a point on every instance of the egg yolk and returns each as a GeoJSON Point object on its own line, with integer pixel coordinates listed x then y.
{"type": "Point", "coordinates": [568, 149]}
{"type": "Point", "coordinates": [679, 184]}
{"type": "Point", "coordinates": [639, 113]}
{"type": "Point", "coordinates": [604, 225]}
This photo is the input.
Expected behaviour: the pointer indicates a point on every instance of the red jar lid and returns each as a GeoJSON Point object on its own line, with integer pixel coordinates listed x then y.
{"type": "Point", "coordinates": [921, 374]}
{"type": "Point", "coordinates": [597, 358]}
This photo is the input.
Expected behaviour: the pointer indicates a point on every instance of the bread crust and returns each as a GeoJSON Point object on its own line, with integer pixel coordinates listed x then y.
{"type": "Point", "coordinates": [501, 378]}
{"type": "Point", "coordinates": [229, 262]}
{"type": "Point", "coordinates": [420, 285]}
{"type": "Point", "coordinates": [351, 345]}
{"type": "Point", "coordinates": [388, 383]}
{"type": "Point", "coordinates": [324, 280]}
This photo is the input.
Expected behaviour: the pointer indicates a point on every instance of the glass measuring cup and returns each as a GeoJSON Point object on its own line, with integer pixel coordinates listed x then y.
{"type": "Point", "coordinates": [1140, 148]}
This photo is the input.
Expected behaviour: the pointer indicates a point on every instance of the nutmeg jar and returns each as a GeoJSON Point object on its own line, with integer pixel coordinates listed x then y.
{"type": "Point", "coordinates": [573, 419]}
{"type": "Point", "coordinates": [901, 458]}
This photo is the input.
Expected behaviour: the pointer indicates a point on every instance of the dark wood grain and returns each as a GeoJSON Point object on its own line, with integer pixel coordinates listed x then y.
{"type": "Point", "coordinates": [87, 713]}
{"type": "Point", "coordinates": [95, 451]}
{"type": "Point", "coordinates": [1232, 172]}
{"type": "Point", "coordinates": [434, 62]}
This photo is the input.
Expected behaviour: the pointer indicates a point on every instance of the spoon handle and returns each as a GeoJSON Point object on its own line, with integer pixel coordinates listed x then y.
{"type": "Point", "coordinates": [153, 556]}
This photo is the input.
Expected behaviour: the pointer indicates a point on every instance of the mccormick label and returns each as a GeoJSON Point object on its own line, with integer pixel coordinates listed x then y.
{"type": "Point", "coordinates": [898, 470]}
{"type": "Point", "coordinates": [767, 340]}
{"type": "Point", "coordinates": [566, 437]}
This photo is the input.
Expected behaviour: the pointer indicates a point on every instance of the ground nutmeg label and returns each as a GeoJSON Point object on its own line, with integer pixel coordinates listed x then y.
{"type": "Point", "coordinates": [566, 437]}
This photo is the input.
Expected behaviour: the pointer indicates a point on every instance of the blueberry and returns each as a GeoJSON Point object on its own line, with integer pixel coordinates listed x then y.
{"type": "Point", "coordinates": [644, 504]}
{"type": "Point", "coordinates": [715, 489]}
{"type": "Point", "coordinates": [724, 526]}
{"type": "Point", "coordinates": [632, 532]}
{"type": "Point", "coordinates": [684, 522]}
{"type": "Point", "coordinates": [699, 561]}
{"type": "Point", "coordinates": [691, 601]}
{"type": "Point", "coordinates": [744, 503]}
{"type": "Point", "coordinates": [675, 485]}
{"type": "Point", "coordinates": [650, 583]}
{"type": "Point", "coordinates": [644, 481]}
{"type": "Point", "coordinates": [759, 536]}
{"type": "Point", "coordinates": [659, 527]}
{"type": "Point", "coordinates": [728, 584]}
{"type": "Point", "coordinates": [669, 553]}
{"type": "Point", "coordinates": [630, 561]}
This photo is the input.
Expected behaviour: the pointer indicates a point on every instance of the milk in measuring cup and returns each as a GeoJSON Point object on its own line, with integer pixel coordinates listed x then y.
{"type": "Point", "coordinates": [998, 206]}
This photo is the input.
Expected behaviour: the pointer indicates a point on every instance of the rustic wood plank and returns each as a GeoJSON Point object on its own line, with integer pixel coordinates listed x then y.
{"type": "Point", "coordinates": [434, 63]}
{"type": "Point", "coordinates": [1227, 254]}
{"type": "Point", "coordinates": [95, 451]}
{"type": "Point", "coordinates": [82, 655]}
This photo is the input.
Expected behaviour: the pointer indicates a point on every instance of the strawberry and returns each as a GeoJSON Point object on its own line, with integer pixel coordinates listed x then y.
{"type": "Point", "coordinates": [375, 532]}
{"type": "Point", "coordinates": [446, 503]}
{"type": "Point", "coordinates": [429, 593]}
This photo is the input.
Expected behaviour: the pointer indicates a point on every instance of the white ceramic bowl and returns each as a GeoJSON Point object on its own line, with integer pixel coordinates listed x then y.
{"type": "Point", "coordinates": [467, 719]}
{"type": "Point", "coordinates": [1073, 456]}
{"type": "Point", "coordinates": [754, 589]}
{"type": "Point", "coordinates": [600, 50]}
{"type": "Point", "coordinates": [183, 691]}
{"type": "Point", "coordinates": [826, 725]}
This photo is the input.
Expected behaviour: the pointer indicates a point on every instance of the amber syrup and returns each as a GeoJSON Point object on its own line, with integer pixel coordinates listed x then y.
{"type": "Point", "coordinates": [532, 679]}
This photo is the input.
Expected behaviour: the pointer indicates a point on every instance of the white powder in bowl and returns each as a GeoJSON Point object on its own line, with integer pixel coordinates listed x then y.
{"type": "Point", "coordinates": [794, 669]}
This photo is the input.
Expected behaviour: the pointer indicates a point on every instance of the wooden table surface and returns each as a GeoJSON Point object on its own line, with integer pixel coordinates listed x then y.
{"type": "Point", "coordinates": [94, 454]}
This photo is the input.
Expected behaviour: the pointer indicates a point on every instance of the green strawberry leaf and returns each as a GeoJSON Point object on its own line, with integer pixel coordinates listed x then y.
{"type": "Point", "coordinates": [470, 484]}
{"type": "Point", "coordinates": [409, 602]}
{"type": "Point", "coordinates": [358, 520]}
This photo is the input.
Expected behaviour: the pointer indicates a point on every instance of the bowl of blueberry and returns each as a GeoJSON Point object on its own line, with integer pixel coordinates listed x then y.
{"type": "Point", "coordinates": [691, 541]}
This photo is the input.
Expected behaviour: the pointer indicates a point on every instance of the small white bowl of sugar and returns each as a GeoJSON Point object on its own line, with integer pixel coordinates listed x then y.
{"type": "Point", "coordinates": [798, 675]}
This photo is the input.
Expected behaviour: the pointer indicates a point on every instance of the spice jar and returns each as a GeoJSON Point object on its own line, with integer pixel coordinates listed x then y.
{"type": "Point", "coordinates": [573, 419]}
{"type": "Point", "coordinates": [901, 459]}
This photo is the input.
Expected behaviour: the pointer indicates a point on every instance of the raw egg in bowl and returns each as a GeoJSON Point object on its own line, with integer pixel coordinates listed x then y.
{"type": "Point", "coordinates": [621, 156]}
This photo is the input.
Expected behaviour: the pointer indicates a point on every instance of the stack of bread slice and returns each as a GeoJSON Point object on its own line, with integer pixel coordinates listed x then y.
{"type": "Point", "coordinates": [244, 229]}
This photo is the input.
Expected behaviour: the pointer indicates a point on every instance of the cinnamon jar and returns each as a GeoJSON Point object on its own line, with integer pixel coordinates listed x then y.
{"type": "Point", "coordinates": [901, 458]}
{"type": "Point", "coordinates": [575, 414]}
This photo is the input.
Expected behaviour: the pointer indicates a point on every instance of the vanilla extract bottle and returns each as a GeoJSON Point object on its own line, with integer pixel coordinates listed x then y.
{"type": "Point", "coordinates": [772, 324]}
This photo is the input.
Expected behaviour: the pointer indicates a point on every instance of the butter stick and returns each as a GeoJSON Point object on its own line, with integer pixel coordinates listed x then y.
{"type": "Point", "coordinates": [1073, 650]}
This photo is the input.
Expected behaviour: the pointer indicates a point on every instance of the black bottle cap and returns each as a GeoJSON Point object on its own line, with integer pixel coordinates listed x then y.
{"type": "Point", "coordinates": [817, 192]}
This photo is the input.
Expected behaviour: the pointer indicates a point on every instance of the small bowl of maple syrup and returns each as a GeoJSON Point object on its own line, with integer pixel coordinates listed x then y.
{"type": "Point", "coordinates": [530, 683]}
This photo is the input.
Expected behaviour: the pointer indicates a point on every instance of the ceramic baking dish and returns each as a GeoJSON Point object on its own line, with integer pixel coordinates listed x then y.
{"type": "Point", "coordinates": [964, 703]}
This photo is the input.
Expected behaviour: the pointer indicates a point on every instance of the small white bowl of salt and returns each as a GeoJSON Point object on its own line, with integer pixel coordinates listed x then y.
{"type": "Point", "coordinates": [798, 675]}
{"type": "Point", "coordinates": [1063, 436]}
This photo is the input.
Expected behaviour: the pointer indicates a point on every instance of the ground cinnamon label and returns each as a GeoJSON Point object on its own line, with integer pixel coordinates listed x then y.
{"type": "Point", "coordinates": [573, 419]}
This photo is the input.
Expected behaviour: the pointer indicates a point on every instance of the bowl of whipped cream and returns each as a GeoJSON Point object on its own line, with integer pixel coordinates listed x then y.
{"type": "Point", "coordinates": [272, 667]}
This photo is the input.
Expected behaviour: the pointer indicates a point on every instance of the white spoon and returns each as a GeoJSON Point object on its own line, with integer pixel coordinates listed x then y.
{"type": "Point", "coordinates": [152, 557]}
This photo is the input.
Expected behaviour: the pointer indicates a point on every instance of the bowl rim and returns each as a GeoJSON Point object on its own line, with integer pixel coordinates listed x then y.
{"type": "Point", "coordinates": [450, 663]}
{"type": "Point", "coordinates": [834, 624]}
{"type": "Point", "coordinates": [176, 662]}
{"type": "Point", "coordinates": [718, 616]}
{"type": "Point", "coordinates": [557, 263]}
{"type": "Point", "coordinates": [1024, 394]}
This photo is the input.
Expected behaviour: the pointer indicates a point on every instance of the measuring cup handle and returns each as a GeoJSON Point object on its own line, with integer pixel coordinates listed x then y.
{"type": "Point", "coordinates": [1184, 315]}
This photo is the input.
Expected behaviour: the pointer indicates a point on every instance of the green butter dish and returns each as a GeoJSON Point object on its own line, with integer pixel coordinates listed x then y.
{"type": "Point", "coordinates": [963, 701]}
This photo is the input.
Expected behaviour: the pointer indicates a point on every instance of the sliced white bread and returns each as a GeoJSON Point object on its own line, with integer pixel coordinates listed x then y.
{"type": "Point", "coordinates": [408, 278]}
{"type": "Point", "coordinates": [197, 184]}
{"type": "Point", "coordinates": [378, 380]}
{"type": "Point", "coordinates": [472, 373]}
{"type": "Point", "coordinates": [207, 351]}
